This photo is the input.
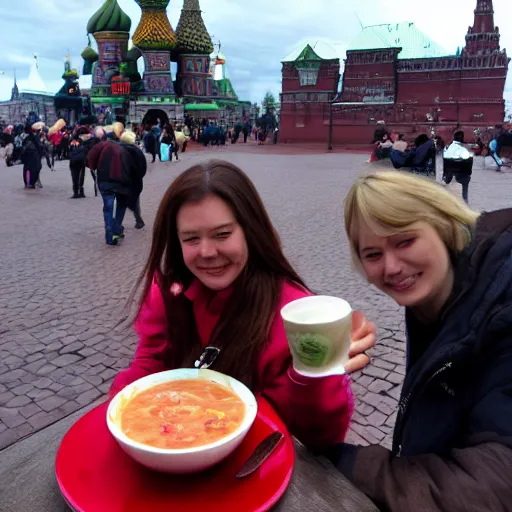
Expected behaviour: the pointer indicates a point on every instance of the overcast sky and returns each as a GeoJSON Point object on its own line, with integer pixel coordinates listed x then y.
{"type": "Point", "coordinates": [255, 35]}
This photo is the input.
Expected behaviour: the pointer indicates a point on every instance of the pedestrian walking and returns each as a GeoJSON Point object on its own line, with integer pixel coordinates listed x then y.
{"type": "Point", "coordinates": [458, 164]}
{"type": "Point", "coordinates": [137, 171]}
{"type": "Point", "coordinates": [112, 165]}
{"type": "Point", "coordinates": [31, 154]}
{"type": "Point", "coordinates": [78, 150]}
{"type": "Point", "coordinates": [151, 143]}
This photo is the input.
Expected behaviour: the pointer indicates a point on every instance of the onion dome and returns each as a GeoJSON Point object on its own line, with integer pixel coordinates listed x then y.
{"type": "Point", "coordinates": [71, 74]}
{"type": "Point", "coordinates": [90, 54]}
{"type": "Point", "coordinates": [192, 34]}
{"type": "Point", "coordinates": [154, 31]}
{"type": "Point", "coordinates": [109, 18]}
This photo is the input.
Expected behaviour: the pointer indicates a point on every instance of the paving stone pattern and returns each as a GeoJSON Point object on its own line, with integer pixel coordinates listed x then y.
{"type": "Point", "coordinates": [66, 324]}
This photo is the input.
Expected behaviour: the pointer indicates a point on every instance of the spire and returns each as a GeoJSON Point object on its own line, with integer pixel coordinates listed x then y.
{"type": "Point", "coordinates": [484, 17]}
{"type": "Point", "coordinates": [15, 93]}
{"type": "Point", "coordinates": [35, 81]}
{"type": "Point", "coordinates": [191, 31]}
{"type": "Point", "coordinates": [483, 38]}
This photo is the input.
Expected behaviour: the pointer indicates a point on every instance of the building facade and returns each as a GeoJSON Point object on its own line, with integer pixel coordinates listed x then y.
{"type": "Point", "coordinates": [395, 75]}
{"type": "Point", "coordinates": [23, 101]}
{"type": "Point", "coordinates": [118, 87]}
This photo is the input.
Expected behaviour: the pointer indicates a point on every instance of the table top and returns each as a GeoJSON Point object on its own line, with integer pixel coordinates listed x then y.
{"type": "Point", "coordinates": [28, 478]}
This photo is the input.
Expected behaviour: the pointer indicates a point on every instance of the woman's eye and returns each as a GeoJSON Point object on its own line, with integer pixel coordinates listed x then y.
{"type": "Point", "coordinates": [406, 243]}
{"type": "Point", "coordinates": [223, 235]}
{"type": "Point", "coordinates": [372, 256]}
{"type": "Point", "coordinates": [191, 240]}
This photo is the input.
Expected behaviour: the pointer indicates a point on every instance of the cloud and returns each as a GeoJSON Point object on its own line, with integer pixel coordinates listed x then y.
{"type": "Point", "coordinates": [255, 36]}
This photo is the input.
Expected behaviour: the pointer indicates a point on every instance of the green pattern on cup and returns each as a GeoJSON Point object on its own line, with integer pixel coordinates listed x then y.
{"type": "Point", "coordinates": [312, 349]}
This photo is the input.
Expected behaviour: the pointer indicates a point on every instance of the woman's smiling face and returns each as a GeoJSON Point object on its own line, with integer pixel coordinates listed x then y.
{"type": "Point", "coordinates": [413, 267]}
{"type": "Point", "coordinates": [212, 242]}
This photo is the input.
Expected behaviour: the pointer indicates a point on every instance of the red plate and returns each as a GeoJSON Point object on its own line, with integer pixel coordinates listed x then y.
{"type": "Point", "coordinates": [95, 475]}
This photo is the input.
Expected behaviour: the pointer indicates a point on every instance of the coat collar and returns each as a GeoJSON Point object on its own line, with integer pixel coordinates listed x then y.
{"type": "Point", "coordinates": [198, 291]}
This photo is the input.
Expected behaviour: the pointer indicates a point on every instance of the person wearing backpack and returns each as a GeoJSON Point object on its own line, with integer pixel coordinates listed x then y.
{"type": "Point", "coordinates": [113, 165]}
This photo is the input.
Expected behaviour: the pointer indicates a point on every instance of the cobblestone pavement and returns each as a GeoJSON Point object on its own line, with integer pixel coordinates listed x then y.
{"type": "Point", "coordinates": [66, 327]}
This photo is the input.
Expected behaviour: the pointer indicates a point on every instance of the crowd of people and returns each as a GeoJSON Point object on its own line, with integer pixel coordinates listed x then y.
{"type": "Point", "coordinates": [419, 156]}
{"type": "Point", "coordinates": [112, 154]}
{"type": "Point", "coordinates": [117, 169]}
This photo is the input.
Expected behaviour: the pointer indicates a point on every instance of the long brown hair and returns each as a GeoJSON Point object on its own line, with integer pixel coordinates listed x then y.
{"type": "Point", "coordinates": [244, 327]}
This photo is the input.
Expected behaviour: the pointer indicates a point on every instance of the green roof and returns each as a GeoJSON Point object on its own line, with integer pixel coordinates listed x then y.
{"type": "Point", "coordinates": [308, 54]}
{"type": "Point", "coordinates": [225, 88]}
{"type": "Point", "coordinates": [109, 18]}
{"type": "Point", "coordinates": [414, 43]}
{"type": "Point", "coordinates": [316, 50]}
{"type": "Point", "coordinates": [201, 106]}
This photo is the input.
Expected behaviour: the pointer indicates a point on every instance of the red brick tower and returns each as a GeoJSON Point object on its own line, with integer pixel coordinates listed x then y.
{"type": "Point", "coordinates": [483, 37]}
{"type": "Point", "coordinates": [484, 69]}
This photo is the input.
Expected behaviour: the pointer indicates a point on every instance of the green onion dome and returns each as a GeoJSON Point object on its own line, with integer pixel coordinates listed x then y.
{"type": "Point", "coordinates": [191, 31]}
{"type": "Point", "coordinates": [90, 54]}
{"type": "Point", "coordinates": [109, 18]}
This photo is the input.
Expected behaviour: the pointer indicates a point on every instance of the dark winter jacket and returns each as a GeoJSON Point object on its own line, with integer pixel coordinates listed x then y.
{"type": "Point", "coordinates": [415, 157]}
{"type": "Point", "coordinates": [31, 153]}
{"type": "Point", "coordinates": [137, 170]}
{"type": "Point", "coordinates": [151, 142]}
{"type": "Point", "coordinates": [113, 164]}
{"type": "Point", "coordinates": [452, 445]}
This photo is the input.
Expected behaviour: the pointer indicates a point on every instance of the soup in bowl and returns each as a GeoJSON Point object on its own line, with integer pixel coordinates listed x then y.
{"type": "Point", "coordinates": [181, 421]}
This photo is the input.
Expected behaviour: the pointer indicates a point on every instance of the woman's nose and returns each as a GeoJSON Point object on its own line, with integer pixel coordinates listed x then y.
{"type": "Point", "coordinates": [208, 249]}
{"type": "Point", "coordinates": [392, 265]}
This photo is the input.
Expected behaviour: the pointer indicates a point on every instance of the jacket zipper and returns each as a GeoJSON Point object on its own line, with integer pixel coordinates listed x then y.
{"type": "Point", "coordinates": [403, 406]}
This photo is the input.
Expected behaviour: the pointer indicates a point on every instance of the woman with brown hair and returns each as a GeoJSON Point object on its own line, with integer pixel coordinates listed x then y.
{"type": "Point", "coordinates": [215, 282]}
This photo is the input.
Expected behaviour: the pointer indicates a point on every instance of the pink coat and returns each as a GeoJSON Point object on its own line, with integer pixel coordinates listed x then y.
{"type": "Point", "coordinates": [317, 411]}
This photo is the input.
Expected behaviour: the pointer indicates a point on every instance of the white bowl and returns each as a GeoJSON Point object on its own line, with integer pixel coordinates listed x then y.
{"type": "Point", "coordinates": [185, 460]}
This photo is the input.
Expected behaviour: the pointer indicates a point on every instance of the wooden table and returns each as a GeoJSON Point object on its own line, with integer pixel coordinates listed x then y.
{"type": "Point", "coordinates": [28, 482]}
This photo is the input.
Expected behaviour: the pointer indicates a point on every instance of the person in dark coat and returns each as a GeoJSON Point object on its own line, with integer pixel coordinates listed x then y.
{"type": "Point", "coordinates": [31, 153]}
{"type": "Point", "coordinates": [151, 143]}
{"type": "Point", "coordinates": [112, 164]}
{"type": "Point", "coordinates": [78, 150]}
{"type": "Point", "coordinates": [138, 168]}
{"type": "Point", "coordinates": [451, 268]}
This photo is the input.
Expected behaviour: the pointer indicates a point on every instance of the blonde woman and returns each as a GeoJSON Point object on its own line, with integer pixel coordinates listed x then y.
{"type": "Point", "coordinates": [451, 269]}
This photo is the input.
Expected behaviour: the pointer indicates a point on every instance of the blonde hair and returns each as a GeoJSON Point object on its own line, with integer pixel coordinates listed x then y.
{"type": "Point", "coordinates": [389, 202]}
{"type": "Point", "coordinates": [57, 127]}
{"type": "Point", "coordinates": [128, 137]}
{"type": "Point", "coordinates": [118, 129]}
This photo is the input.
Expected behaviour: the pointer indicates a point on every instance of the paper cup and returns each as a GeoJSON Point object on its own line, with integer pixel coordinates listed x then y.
{"type": "Point", "coordinates": [318, 330]}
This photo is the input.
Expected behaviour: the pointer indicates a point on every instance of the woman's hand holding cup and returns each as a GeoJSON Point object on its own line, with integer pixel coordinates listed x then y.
{"type": "Point", "coordinates": [364, 337]}
{"type": "Point", "coordinates": [326, 337]}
